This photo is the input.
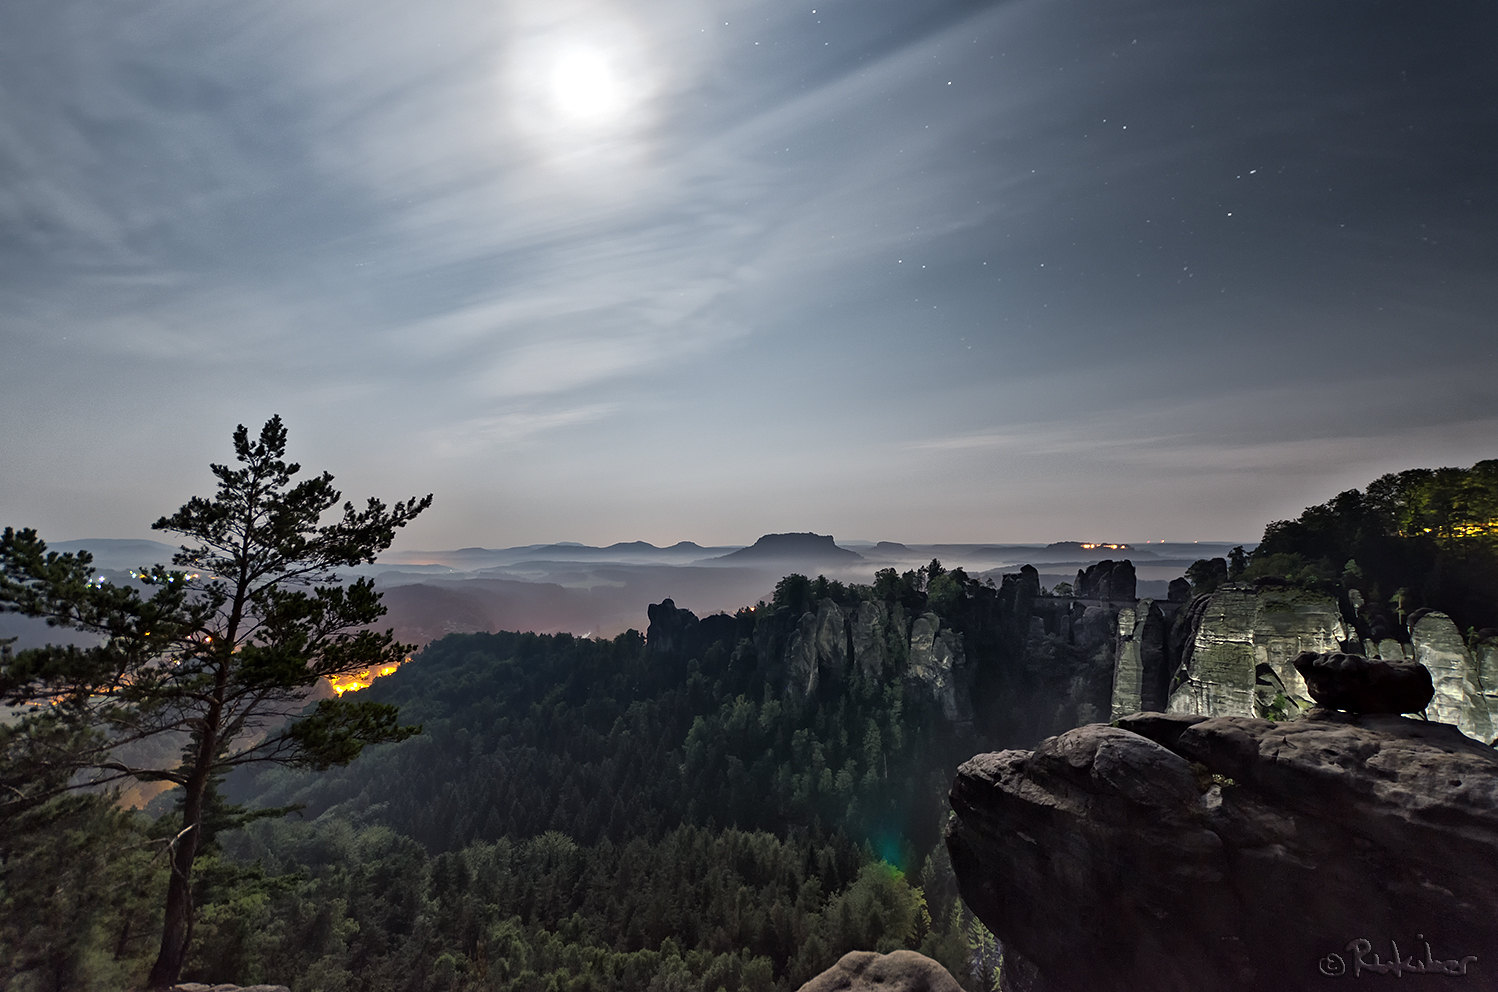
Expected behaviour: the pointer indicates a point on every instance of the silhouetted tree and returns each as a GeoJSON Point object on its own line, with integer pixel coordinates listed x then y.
{"type": "Point", "coordinates": [212, 664]}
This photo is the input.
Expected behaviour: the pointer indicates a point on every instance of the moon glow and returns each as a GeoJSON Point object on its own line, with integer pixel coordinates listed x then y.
{"type": "Point", "coordinates": [582, 87]}
{"type": "Point", "coordinates": [586, 88]}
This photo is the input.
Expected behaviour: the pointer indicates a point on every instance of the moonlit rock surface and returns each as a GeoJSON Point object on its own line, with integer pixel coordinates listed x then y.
{"type": "Point", "coordinates": [1232, 853]}
{"type": "Point", "coordinates": [898, 971]}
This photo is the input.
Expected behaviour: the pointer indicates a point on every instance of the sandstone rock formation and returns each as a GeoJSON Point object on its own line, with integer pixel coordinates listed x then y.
{"type": "Point", "coordinates": [1239, 644]}
{"type": "Point", "coordinates": [871, 639]}
{"type": "Point", "coordinates": [803, 667]}
{"type": "Point", "coordinates": [898, 971]}
{"type": "Point", "coordinates": [1176, 852]}
{"type": "Point", "coordinates": [832, 637]}
{"type": "Point", "coordinates": [1140, 654]}
{"type": "Point", "coordinates": [1107, 580]}
{"type": "Point", "coordinates": [867, 632]}
{"type": "Point", "coordinates": [1238, 659]}
{"type": "Point", "coordinates": [938, 666]}
{"type": "Point", "coordinates": [1360, 685]}
{"type": "Point", "coordinates": [795, 550]}
{"type": "Point", "coordinates": [1466, 682]}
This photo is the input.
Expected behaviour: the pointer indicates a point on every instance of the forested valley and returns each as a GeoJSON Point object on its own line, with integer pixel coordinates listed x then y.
{"type": "Point", "coordinates": [576, 814]}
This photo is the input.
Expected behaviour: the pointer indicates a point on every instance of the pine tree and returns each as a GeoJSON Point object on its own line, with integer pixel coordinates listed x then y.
{"type": "Point", "coordinates": [212, 669]}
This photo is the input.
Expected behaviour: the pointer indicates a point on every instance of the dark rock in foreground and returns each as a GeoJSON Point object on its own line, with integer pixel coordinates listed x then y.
{"type": "Point", "coordinates": [898, 971]}
{"type": "Point", "coordinates": [1241, 854]}
{"type": "Point", "coordinates": [200, 987]}
{"type": "Point", "coordinates": [1363, 685]}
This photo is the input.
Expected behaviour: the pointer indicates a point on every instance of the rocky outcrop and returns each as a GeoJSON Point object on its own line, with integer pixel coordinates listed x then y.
{"type": "Point", "coordinates": [1466, 684]}
{"type": "Point", "coordinates": [1107, 580]}
{"type": "Point", "coordinates": [803, 667]}
{"type": "Point", "coordinates": [1361, 685]}
{"type": "Point", "coordinates": [897, 971]}
{"type": "Point", "coordinates": [867, 634]}
{"type": "Point", "coordinates": [832, 638]}
{"type": "Point", "coordinates": [871, 639]}
{"type": "Point", "coordinates": [1239, 644]}
{"type": "Point", "coordinates": [675, 632]}
{"type": "Point", "coordinates": [1176, 852]}
{"type": "Point", "coordinates": [1242, 642]}
{"type": "Point", "coordinates": [200, 987]}
{"type": "Point", "coordinates": [938, 666]}
{"type": "Point", "coordinates": [817, 649]}
{"type": "Point", "coordinates": [1217, 673]}
{"type": "Point", "coordinates": [1140, 658]}
{"type": "Point", "coordinates": [791, 549]}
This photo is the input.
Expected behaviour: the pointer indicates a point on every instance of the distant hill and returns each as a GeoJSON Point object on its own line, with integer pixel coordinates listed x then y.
{"type": "Point", "coordinates": [119, 555]}
{"type": "Point", "coordinates": [802, 549]}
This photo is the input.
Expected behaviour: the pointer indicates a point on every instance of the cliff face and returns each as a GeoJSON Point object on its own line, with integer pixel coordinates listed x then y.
{"type": "Point", "coordinates": [1022, 665]}
{"type": "Point", "coordinates": [1183, 853]}
{"type": "Point", "coordinates": [1465, 676]}
{"type": "Point", "coordinates": [1237, 660]}
{"type": "Point", "coordinates": [1237, 645]}
{"type": "Point", "coordinates": [827, 644]}
{"type": "Point", "coordinates": [830, 643]}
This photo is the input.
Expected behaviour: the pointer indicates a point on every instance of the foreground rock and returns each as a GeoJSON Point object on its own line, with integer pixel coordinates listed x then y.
{"type": "Point", "coordinates": [898, 971]}
{"type": "Point", "coordinates": [1234, 853]}
{"type": "Point", "coordinates": [200, 987]}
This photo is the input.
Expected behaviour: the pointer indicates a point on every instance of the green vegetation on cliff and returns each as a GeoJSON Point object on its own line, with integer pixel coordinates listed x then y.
{"type": "Point", "coordinates": [1423, 538]}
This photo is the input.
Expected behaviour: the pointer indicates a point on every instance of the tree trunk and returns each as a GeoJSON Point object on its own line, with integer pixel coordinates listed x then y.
{"type": "Point", "coordinates": [176, 927]}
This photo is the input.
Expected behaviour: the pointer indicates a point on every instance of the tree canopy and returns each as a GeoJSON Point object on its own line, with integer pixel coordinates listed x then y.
{"type": "Point", "coordinates": [205, 666]}
{"type": "Point", "coordinates": [1418, 538]}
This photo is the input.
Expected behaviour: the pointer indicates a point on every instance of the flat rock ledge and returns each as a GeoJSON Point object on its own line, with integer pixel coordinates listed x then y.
{"type": "Point", "coordinates": [897, 971]}
{"type": "Point", "coordinates": [200, 987]}
{"type": "Point", "coordinates": [1173, 853]}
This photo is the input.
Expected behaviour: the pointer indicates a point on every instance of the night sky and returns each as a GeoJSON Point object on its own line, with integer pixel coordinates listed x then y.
{"type": "Point", "coordinates": [672, 270]}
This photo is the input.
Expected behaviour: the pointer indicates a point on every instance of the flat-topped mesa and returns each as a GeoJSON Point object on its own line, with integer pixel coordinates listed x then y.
{"type": "Point", "coordinates": [793, 548]}
{"type": "Point", "coordinates": [1176, 853]}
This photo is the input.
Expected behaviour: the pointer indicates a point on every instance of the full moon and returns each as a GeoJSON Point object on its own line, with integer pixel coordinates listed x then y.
{"type": "Point", "coordinates": [586, 87]}
{"type": "Point", "coordinates": [581, 84]}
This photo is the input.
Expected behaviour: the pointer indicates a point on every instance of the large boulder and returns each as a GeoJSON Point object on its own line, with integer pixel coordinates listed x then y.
{"type": "Point", "coordinates": [1362, 685]}
{"type": "Point", "coordinates": [897, 971]}
{"type": "Point", "coordinates": [1176, 852]}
